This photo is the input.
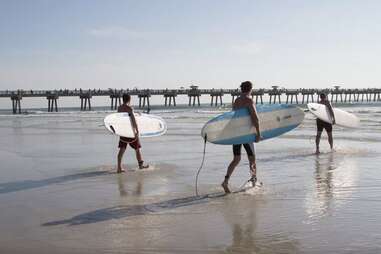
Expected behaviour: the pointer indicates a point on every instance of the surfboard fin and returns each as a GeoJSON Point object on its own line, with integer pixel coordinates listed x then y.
{"type": "Point", "coordinates": [112, 128]}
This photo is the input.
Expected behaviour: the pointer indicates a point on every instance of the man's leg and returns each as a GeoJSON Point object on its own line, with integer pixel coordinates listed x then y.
{"type": "Point", "coordinates": [328, 128]}
{"type": "Point", "coordinates": [330, 139]}
{"type": "Point", "coordinates": [253, 168]}
{"type": "Point", "coordinates": [136, 145]}
{"type": "Point", "coordinates": [120, 156]}
{"type": "Point", "coordinates": [139, 158]}
{"type": "Point", "coordinates": [232, 165]}
{"type": "Point", "coordinates": [318, 136]}
{"type": "Point", "coordinates": [252, 163]}
{"type": "Point", "coordinates": [229, 172]}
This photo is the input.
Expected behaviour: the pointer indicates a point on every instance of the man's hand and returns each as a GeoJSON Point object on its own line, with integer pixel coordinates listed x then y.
{"type": "Point", "coordinates": [257, 137]}
{"type": "Point", "coordinates": [333, 121]}
{"type": "Point", "coordinates": [136, 134]}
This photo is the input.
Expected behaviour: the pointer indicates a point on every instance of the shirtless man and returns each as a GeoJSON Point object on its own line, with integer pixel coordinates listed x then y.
{"type": "Point", "coordinates": [244, 101]}
{"type": "Point", "coordinates": [133, 142]}
{"type": "Point", "coordinates": [324, 125]}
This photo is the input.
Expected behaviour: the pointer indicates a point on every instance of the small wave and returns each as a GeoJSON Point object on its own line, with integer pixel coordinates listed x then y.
{"type": "Point", "coordinates": [212, 111]}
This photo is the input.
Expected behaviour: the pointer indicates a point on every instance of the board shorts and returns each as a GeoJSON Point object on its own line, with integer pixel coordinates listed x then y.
{"type": "Point", "coordinates": [134, 143]}
{"type": "Point", "coordinates": [323, 125]}
{"type": "Point", "coordinates": [249, 147]}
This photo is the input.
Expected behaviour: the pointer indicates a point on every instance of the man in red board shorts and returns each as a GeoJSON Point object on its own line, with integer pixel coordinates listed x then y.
{"type": "Point", "coordinates": [133, 142]}
{"type": "Point", "coordinates": [324, 125]}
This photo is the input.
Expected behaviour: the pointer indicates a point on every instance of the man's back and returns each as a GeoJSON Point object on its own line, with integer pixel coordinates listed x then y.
{"type": "Point", "coordinates": [242, 102]}
{"type": "Point", "coordinates": [124, 108]}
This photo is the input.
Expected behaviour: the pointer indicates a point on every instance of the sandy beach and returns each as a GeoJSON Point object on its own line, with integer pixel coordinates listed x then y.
{"type": "Point", "coordinates": [59, 192]}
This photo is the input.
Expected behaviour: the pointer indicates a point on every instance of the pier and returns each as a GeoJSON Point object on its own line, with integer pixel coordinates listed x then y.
{"type": "Point", "coordinates": [275, 94]}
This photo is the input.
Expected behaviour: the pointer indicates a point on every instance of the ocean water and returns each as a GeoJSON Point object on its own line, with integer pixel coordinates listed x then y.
{"type": "Point", "coordinates": [59, 192]}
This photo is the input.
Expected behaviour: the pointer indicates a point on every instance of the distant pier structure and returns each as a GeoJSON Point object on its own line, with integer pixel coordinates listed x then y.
{"type": "Point", "coordinates": [85, 100]}
{"type": "Point", "coordinates": [52, 102]}
{"type": "Point", "coordinates": [116, 99]}
{"type": "Point", "coordinates": [169, 96]}
{"type": "Point", "coordinates": [336, 94]}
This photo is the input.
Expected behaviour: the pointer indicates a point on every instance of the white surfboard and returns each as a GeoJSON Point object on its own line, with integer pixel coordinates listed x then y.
{"type": "Point", "coordinates": [148, 125]}
{"type": "Point", "coordinates": [236, 127]}
{"type": "Point", "coordinates": [342, 117]}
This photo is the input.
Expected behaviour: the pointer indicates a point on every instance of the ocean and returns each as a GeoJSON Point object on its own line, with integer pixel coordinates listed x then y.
{"type": "Point", "coordinates": [59, 192]}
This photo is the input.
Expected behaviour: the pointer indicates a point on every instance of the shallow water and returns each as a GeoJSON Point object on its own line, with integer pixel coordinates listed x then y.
{"type": "Point", "coordinates": [58, 192]}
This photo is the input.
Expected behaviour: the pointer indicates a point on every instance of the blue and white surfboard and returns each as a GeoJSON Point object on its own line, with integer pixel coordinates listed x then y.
{"type": "Point", "coordinates": [236, 127]}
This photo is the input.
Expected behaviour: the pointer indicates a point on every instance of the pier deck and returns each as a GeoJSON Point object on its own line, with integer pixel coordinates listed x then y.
{"type": "Point", "coordinates": [336, 95]}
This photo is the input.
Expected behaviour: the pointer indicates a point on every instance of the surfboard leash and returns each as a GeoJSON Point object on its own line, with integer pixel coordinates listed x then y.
{"type": "Point", "coordinates": [202, 164]}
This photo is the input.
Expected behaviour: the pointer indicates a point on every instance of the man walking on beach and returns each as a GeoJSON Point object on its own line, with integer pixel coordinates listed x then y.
{"type": "Point", "coordinates": [244, 101]}
{"type": "Point", "coordinates": [324, 125]}
{"type": "Point", "coordinates": [133, 142]}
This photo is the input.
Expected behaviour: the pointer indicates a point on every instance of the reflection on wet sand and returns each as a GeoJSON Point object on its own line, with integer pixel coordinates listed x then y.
{"type": "Point", "coordinates": [248, 236]}
{"type": "Point", "coordinates": [122, 189]}
{"type": "Point", "coordinates": [335, 175]}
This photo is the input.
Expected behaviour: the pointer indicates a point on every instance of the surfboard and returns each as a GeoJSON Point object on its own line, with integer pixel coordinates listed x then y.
{"type": "Point", "coordinates": [148, 125]}
{"type": "Point", "coordinates": [342, 117]}
{"type": "Point", "coordinates": [235, 127]}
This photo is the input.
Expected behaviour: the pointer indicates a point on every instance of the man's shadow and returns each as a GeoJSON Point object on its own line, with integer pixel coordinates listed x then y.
{"type": "Point", "coordinates": [119, 212]}
{"type": "Point", "coordinates": [32, 184]}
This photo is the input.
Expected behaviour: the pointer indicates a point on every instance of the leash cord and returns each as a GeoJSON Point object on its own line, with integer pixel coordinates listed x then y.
{"type": "Point", "coordinates": [202, 164]}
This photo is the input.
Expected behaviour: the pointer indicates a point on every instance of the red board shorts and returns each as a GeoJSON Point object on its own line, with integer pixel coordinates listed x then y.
{"type": "Point", "coordinates": [134, 143]}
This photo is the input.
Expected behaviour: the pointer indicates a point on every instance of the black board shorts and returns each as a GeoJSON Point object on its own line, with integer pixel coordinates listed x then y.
{"type": "Point", "coordinates": [323, 125]}
{"type": "Point", "coordinates": [248, 147]}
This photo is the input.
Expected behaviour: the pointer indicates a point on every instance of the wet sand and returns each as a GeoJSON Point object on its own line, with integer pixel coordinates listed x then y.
{"type": "Point", "coordinates": [59, 192]}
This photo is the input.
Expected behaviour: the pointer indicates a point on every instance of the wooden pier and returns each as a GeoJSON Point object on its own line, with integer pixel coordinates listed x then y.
{"type": "Point", "coordinates": [275, 94]}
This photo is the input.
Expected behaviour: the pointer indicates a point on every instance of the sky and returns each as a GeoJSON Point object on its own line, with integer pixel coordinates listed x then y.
{"type": "Point", "coordinates": [48, 44]}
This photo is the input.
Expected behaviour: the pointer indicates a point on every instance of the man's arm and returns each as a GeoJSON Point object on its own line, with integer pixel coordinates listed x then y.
{"type": "Point", "coordinates": [330, 109]}
{"type": "Point", "coordinates": [133, 122]}
{"type": "Point", "coordinates": [255, 120]}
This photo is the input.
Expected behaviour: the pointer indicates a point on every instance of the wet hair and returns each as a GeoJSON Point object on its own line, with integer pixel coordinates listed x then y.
{"type": "Point", "coordinates": [246, 86]}
{"type": "Point", "coordinates": [323, 96]}
{"type": "Point", "coordinates": [126, 98]}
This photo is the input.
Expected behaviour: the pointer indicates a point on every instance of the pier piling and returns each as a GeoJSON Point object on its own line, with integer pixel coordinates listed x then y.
{"type": "Point", "coordinates": [144, 96]}
{"type": "Point", "coordinates": [85, 101]}
{"type": "Point", "coordinates": [292, 94]}
{"type": "Point", "coordinates": [308, 93]}
{"type": "Point", "coordinates": [214, 96]}
{"type": "Point", "coordinates": [274, 94]}
{"type": "Point", "coordinates": [16, 103]}
{"type": "Point", "coordinates": [194, 93]}
{"type": "Point", "coordinates": [116, 100]}
{"type": "Point", "coordinates": [170, 96]}
{"type": "Point", "coordinates": [52, 102]}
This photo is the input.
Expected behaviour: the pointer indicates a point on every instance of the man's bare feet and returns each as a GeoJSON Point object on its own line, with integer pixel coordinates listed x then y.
{"type": "Point", "coordinates": [120, 170]}
{"type": "Point", "coordinates": [226, 187]}
{"type": "Point", "coordinates": [253, 180]}
{"type": "Point", "coordinates": [143, 166]}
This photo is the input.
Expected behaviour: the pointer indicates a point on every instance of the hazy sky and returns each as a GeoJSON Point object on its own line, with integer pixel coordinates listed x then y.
{"type": "Point", "coordinates": [167, 44]}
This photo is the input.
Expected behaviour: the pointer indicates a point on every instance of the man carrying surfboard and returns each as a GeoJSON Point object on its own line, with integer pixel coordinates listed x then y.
{"type": "Point", "coordinates": [320, 124]}
{"type": "Point", "coordinates": [133, 142]}
{"type": "Point", "coordinates": [244, 101]}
